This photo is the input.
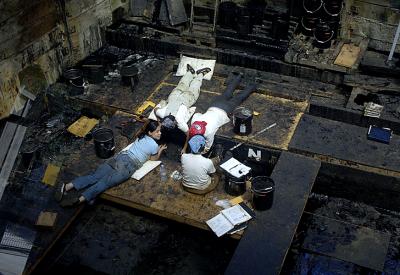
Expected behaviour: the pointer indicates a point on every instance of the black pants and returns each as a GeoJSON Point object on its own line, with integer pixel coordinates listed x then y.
{"type": "Point", "coordinates": [227, 101]}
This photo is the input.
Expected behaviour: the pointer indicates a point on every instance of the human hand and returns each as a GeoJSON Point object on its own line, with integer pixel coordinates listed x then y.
{"type": "Point", "coordinates": [162, 147]}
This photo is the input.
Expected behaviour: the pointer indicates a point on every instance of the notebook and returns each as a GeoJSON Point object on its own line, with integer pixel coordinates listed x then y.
{"type": "Point", "coordinates": [379, 134]}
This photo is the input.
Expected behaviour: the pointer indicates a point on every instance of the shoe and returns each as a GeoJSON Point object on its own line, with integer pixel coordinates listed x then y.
{"type": "Point", "coordinates": [203, 71]}
{"type": "Point", "coordinates": [60, 192]}
{"type": "Point", "coordinates": [190, 69]}
{"type": "Point", "coordinates": [70, 202]}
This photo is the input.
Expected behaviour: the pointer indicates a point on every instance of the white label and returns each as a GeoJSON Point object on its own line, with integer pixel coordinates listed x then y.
{"type": "Point", "coordinates": [252, 154]}
{"type": "Point", "coordinates": [242, 128]}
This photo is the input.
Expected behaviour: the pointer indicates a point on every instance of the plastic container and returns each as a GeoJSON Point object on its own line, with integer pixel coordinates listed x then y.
{"type": "Point", "coordinates": [163, 173]}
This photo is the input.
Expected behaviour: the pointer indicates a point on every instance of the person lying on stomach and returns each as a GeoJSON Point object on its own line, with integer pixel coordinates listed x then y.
{"type": "Point", "coordinates": [117, 169]}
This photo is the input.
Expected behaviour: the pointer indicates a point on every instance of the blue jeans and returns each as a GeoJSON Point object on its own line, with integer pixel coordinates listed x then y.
{"type": "Point", "coordinates": [109, 174]}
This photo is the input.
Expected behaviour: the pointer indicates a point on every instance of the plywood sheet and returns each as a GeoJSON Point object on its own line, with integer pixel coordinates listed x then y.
{"type": "Point", "coordinates": [51, 174]}
{"type": "Point", "coordinates": [348, 55]}
{"type": "Point", "coordinates": [82, 126]}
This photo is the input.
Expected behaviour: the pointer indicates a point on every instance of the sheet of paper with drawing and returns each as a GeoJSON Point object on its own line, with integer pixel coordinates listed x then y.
{"type": "Point", "coordinates": [235, 167]}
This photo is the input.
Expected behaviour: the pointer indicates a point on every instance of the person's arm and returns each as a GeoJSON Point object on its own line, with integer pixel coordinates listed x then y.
{"type": "Point", "coordinates": [161, 148]}
{"type": "Point", "coordinates": [211, 167]}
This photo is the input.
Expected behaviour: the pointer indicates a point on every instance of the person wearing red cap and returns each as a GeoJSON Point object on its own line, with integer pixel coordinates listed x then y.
{"type": "Point", "coordinates": [207, 124]}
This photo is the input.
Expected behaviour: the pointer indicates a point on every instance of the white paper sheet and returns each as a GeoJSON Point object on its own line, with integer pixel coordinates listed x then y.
{"type": "Point", "coordinates": [236, 214]}
{"type": "Point", "coordinates": [235, 167]}
{"type": "Point", "coordinates": [145, 169]}
{"type": "Point", "coordinates": [197, 64]}
{"type": "Point", "coordinates": [219, 224]}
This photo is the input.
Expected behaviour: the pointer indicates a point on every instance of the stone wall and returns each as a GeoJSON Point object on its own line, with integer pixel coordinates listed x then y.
{"type": "Point", "coordinates": [47, 36]}
{"type": "Point", "coordinates": [373, 19]}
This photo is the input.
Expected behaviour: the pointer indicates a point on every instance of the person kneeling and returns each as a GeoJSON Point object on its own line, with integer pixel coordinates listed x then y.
{"type": "Point", "coordinates": [199, 173]}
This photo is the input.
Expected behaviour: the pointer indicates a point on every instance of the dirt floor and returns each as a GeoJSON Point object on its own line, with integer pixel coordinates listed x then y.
{"type": "Point", "coordinates": [110, 240]}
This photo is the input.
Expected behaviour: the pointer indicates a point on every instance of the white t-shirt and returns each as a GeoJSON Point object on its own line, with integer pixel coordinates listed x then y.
{"type": "Point", "coordinates": [182, 116]}
{"type": "Point", "coordinates": [215, 118]}
{"type": "Point", "coordinates": [196, 170]}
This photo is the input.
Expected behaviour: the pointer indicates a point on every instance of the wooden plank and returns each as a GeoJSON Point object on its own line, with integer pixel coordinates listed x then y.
{"type": "Point", "coordinates": [11, 156]}
{"type": "Point", "coordinates": [372, 83]}
{"type": "Point", "coordinates": [82, 126]}
{"type": "Point", "coordinates": [46, 219]}
{"type": "Point", "coordinates": [351, 243]}
{"type": "Point", "coordinates": [345, 142]}
{"type": "Point", "coordinates": [50, 175]}
{"type": "Point", "coordinates": [5, 140]}
{"type": "Point", "coordinates": [264, 245]}
{"type": "Point", "coordinates": [348, 55]}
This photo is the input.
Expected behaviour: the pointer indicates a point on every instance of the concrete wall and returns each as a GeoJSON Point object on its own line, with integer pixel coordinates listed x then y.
{"type": "Point", "coordinates": [373, 19]}
{"type": "Point", "coordinates": [47, 36]}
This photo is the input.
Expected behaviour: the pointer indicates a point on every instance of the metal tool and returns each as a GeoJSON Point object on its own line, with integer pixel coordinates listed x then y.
{"type": "Point", "coordinates": [253, 136]}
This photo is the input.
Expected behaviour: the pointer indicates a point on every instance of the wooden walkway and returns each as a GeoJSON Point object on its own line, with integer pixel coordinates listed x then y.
{"type": "Point", "coordinates": [265, 243]}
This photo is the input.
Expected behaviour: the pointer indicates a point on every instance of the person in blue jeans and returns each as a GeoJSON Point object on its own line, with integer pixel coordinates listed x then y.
{"type": "Point", "coordinates": [119, 168]}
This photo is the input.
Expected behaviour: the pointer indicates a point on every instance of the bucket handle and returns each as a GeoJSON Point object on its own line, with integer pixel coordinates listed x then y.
{"type": "Point", "coordinates": [332, 14]}
{"type": "Point", "coordinates": [102, 145]}
{"type": "Point", "coordinates": [76, 86]}
{"type": "Point", "coordinates": [310, 11]}
{"type": "Point", "coordinates": [330, 38]}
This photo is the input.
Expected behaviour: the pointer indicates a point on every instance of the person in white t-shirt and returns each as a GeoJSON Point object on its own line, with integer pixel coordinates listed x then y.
{"type": "Point", "coordinates": [176, 112]}
{"type": "Point", "coordinates": [207, 124]}
{"type": "Point", "coordinates": [199, 173]}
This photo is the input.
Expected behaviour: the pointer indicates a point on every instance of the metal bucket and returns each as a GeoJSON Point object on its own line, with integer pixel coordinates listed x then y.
{"type": "Point", "coordinates": [103, 139]}
{"type": "Point", "coordinates": [262, 188]}
{"type": "Point", "coordinates": [242, 121]}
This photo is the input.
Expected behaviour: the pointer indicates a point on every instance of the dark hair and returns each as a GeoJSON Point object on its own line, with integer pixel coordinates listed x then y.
{"type": "Point", "coordinates": [150, 127]}
{"type": "Point", "coordinates": [168, 122]}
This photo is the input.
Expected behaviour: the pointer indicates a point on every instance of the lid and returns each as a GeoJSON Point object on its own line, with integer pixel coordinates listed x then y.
{"type": "Point", "coordinates": [243, 112]}
{"type": "Point", "coordinates": [262, 184]}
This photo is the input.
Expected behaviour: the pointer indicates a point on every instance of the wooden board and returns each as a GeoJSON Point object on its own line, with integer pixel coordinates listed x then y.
{"type": "Point", "coordinates": [285, 112]}
{"type": "Point", "coordinates": [348, 55]}
{"type": "Point", "coordinates": [50, 175]}
{"type": "Point", "coordinates": [343, 141]}
{"type": "Point", "coordinates": [46, 219]}
{"type": "Point", "coordinates": [265, 243]}
{"type": "Point", "coordinates": [82, 126]}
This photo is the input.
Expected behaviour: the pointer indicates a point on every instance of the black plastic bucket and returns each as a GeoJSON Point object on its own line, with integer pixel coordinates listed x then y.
{"type": "Point", "coordinates": [29, 153]}
{"type": "Point", "coordinates": [262, 188]}
{"type": "Point", "coordinates": [103, 139]}
{"type": "Point", "coordinates": [129, 75]}
{"type": "Point", "coordinates": [323, 35]}
{"type": "Point", "coordinates": [74, 78]}
{"type": "Point", "coordinates": [235, 186]}
{"type": "Point", "coordinates": [308, 23]}
{"type": "Point", "coordinates": [242, 121]}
